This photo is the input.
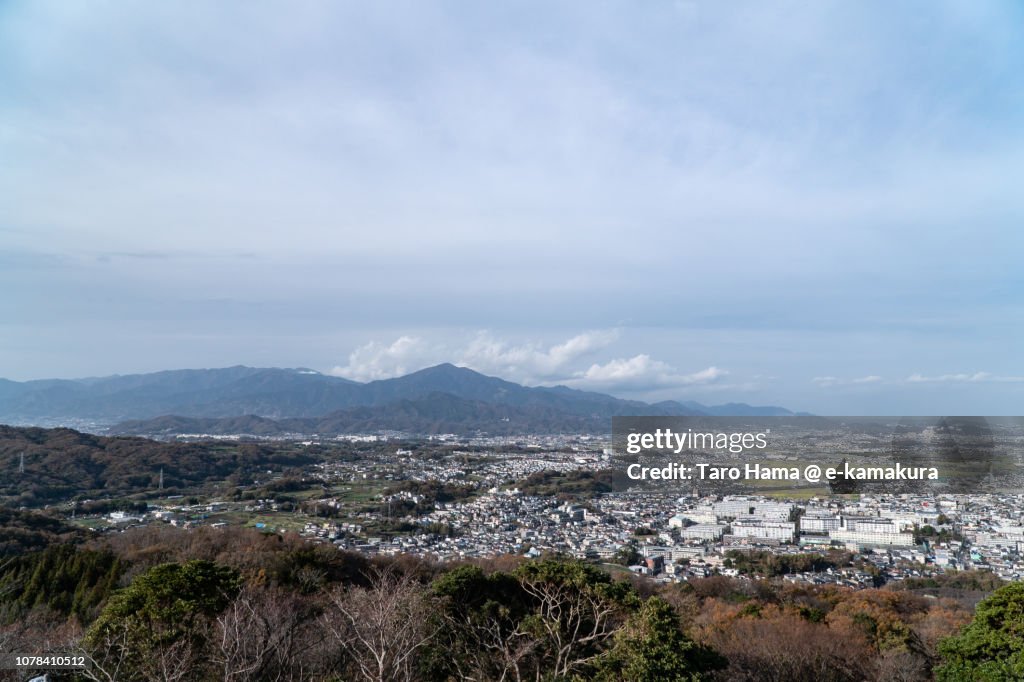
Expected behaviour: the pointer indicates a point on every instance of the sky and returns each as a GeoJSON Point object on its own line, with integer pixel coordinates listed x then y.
{"type": "Point", "coordinates": [815, 205]}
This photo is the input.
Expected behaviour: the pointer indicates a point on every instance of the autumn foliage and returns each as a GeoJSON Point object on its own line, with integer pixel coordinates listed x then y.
{"type": "Point", "coordinates": [210, 604]}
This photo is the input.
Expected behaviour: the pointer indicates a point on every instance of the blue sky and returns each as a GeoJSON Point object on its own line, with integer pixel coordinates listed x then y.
{"type": "Point", "coordinates": [810, 204]}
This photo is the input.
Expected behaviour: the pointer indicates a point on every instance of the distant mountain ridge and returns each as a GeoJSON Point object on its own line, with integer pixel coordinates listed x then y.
{"type": "Point", "coordinates": [274, 400]}
{"type": "Point", "coordinates": [434, 413]}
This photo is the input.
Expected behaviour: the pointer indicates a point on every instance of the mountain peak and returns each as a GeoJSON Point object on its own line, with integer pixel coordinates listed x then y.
{"type": "Point", "coordinates": [446, 368]}
{"type": "Point", "coordinates": [446, 377]}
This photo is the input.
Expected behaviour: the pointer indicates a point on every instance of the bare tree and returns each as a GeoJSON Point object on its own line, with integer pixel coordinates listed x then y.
{"type": "Point", "coordinates": [106, 658]}
{"type": "Point", "coordinates": [485, 648]}
{"type": "Point", "coordinates": [179, 660]}
{"type": "Point", "coordinates": [40, 631]}
{"type": "Point", "coordinates": [264, 635]}
{"type": "Point", "coordinates": [111, 659]}
{"type": "Point", "coordinates": [902, 665]}
{"type": "Point", "coordinates": [382, 627]}
{"type": "Point", "coordinates": [783, 647]}
{"type": "Point", "coordinates": [575, 621]}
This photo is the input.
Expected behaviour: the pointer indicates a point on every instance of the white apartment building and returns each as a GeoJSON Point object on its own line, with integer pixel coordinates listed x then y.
{"type": "Point", "coordinates": [744, 507]}
{"type": "Point", "coordinates": [818, 522]}
{"type": "Point", "coordinates": [703, 531]}
{"type": "Point", "coordinates": [871, 531]}
{"type": "Point", "coordinates": [783, 531]}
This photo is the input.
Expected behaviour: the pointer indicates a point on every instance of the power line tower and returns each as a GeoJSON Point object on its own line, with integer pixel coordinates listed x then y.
{"type": "Point", "coordinates": [161, 478]}
{"type": "Point", "coordinates": [21, 467]}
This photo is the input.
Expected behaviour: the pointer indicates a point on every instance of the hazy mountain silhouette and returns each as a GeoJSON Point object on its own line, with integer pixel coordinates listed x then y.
{"type": "Point", "coordinates": [272, 399]}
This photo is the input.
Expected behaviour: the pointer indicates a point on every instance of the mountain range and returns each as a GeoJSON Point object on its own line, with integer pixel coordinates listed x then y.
{"type": "Point", "coordinates": [273, 401]}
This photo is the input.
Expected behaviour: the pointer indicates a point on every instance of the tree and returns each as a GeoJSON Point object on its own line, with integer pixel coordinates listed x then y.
{"type": "Point", "coordinates": [651, 647]}
{"type": "Point", "coordinates": [775, 645]}
{"type": "Point", "coordinates": [265, 634]}
{"type": "Point", "coordinates": [382, 627]}
{"type": "Point", "coordinates": [991, 647]}
{"type": "Point", "coordinates": [481, 626]}
{"type": "Point", "coordinates": [576, 610]}
{"type": "Point", "coordinates": [62, 577]}
{"type": "Point", "coordinates": [158, 627]}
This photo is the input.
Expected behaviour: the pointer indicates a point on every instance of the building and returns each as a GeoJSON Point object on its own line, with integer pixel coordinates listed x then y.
{"type": "Point", "coordinates": [745, 507]}
{"type": "Point", "coordinates": [860, 531]}
{"type": "Point", "coordinates": [818, 521]}
{"type": "Point", "coordinates": [703, 531]}
{"type": "Point", "coordinates": [779, 531]}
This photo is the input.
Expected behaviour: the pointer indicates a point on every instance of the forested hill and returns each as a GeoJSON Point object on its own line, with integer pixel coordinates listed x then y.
{"type": "Point", "coordinates": [62, 464]}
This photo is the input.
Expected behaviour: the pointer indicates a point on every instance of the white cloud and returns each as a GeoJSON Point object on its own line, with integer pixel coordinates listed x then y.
{"type": "Point", "coordinates": [531, 362]}
{"type": "Point", "coordinates": [527, 363]}
{"type": "Point", "coordinates": [964, 377]}
{"type": "Point", "coordinates": [642, 372]}
{"type": "Point", "coordinates": [830, 381]}
{"type": "Point", "coordinates": [382, 361]}
{"type": "Point", "coordinates": [920, 378]}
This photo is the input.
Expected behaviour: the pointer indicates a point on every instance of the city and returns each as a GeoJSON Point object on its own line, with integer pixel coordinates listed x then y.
{"type": "Point", "coordinates": [390, 506]}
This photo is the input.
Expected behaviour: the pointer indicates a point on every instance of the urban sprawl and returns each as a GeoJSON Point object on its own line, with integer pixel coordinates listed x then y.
{"type": "Point", "coordinates": [671, 536]}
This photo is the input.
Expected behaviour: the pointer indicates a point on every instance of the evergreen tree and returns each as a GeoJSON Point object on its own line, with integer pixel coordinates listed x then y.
{"type": "Point", "coordinates": [651, 647]}
{"type": "Point", "coordinates": [991, 647]}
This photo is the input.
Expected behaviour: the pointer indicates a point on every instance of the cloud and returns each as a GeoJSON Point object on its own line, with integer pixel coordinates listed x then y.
{"type": "Point", "coordinates": [921, 379]}
{"type": "Point", "coordinates": [527, 362]}
{"type": "Point", "coordinates": [642, 372]}
{"type": "Point", "coordinates": [382, 361]}
{"type": "Point", "coordinates": [975, 377]}
{"type": "Point", "coordinates": [829, 381]}
{"type": "Point", "coordinates": [531, 362]}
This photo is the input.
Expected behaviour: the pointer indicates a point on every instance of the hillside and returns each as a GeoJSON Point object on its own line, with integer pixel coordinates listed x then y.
{"type": "Point", "coordinates": [444, 398]}
{"type": "Point", "coordinates": [61, 464]}
{"type": "Point", "coordinates": [432, 414]}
